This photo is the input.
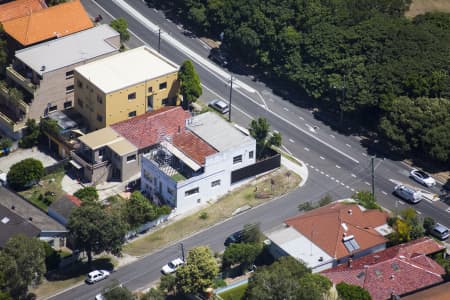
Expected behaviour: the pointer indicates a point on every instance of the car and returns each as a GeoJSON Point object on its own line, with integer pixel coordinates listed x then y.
{"type": "Point", "coordinates": [99, 297]}
{"type": "Point", "coordinates": [234, 238]}
{"type": "Point", "coordinates": [96, 276]}
{"type": "Point", "coordinates": [172, 266]}
{"type": "Point", "coordinates": [219, 105]}
{"type": "Point", "coordinates": [422, 178]}
{"type": "Point", "coordinates": [439, 231]}
{"type": "Point", "coordinates": [407, 193]}
{"type": "Point", "coordinates": [218, 57]}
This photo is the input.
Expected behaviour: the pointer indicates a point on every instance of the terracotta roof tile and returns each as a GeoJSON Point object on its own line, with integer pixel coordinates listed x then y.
{"type": "Point", "coordinates": [193, 146]}
{"type": "Point", "coordinates": [150, 128]}
{"type": "Point", "coordinates": [56, 21]}
{"type": "Point", "coordinates": [328, 225]}
{"type": "Point", "coordinates": [20, 8]}
{"type": "Point", "coordinates": [397, 270]}
{"type": "Point", "coordinates": [73, 199]}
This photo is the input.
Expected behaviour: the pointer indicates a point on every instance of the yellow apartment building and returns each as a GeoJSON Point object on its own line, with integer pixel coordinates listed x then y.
{"type": "Point", "coordinates": [125, 85]}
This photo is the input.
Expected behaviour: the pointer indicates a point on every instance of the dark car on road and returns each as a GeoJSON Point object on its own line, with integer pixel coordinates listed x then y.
{"type": "Point", "coordinates": [217, 56]}
{"type": "Point", "coordinates": [234, 238]}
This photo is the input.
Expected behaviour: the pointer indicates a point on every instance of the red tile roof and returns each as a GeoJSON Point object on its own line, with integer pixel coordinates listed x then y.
{"type": "Point", "coordinates": [56, 21]}
{"type": "Point", "coordinates": [328, 225]}
{"type": "Point", "coordinates": [20, 8]}
{"type": "Point", "coordinates": [193, 146]}
{"type": "Point", "coordinates": [399, 270]}
{"type": "Point", "coordinates": [73, 199]}
{"type": "Point", "coordinates": [440, 292]}
{"type": "Point", "coordinates": [150, 128]}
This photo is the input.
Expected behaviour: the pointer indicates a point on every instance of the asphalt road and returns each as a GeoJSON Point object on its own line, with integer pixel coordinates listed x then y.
{"type": "Point", "coordinates": [338, 164]}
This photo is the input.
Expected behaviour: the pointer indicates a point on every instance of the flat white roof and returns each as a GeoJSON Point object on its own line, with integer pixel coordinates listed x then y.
{"type": "Point", "coordinates": [68, 50]}
{"type": "Point", "coordinates": [217, 132]}
{"type": "Point", "coordinates": [126, 69]}
{"type": "Point", "coordinates": [298, 246]}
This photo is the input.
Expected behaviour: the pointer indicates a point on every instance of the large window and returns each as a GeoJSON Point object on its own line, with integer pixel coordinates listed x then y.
{"type": "Point", "coordinates": [237, 159]}
{"type": "Point", "coordinates": [163, 85]}
{"type": "Point", "coordinates": [69, 74]}
{"type": "Point", "coordinates": [250, 154]}
{"type": "Point", "coordinates": [67, 104]}
{"type": "Point", "coordinates": [52, 108]}
{"type": "Point", "coordinates": [165, 101]}
{"type": "Point", "coordinates": [132, 114]}
{"type": "Point", "coordinates": [69, 89]}
{"type": "Point", "coordinates": [192, 192]}
{"type": "Point", "coordinates": [80, 103]}
{"type": "Point", "coordinates": [99, 99]}
{"type": "Point", "coordinates": [132, 96]}
{"type": "Point", "coordinates": [215, 183]}
{"type": "Point", "coordinates": [131, 158]}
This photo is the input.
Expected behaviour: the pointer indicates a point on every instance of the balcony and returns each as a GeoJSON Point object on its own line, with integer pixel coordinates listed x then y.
{"type": "Point", "coordinates": [78, 157]}
{"type": "Point", "coordinates": [21, 80]}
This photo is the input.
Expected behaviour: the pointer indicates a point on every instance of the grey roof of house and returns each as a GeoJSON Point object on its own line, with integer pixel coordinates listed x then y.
{"type": "Point", "coordinates": [11, 224]}
{"type": "Point", "coordinates": [26, 211]}
{"type": "Point", "coordinates": [217, 132]}
{"type": "Point", "coordinates": [63, 206]}
{"type": "Point", "coordinates": [68, 50]}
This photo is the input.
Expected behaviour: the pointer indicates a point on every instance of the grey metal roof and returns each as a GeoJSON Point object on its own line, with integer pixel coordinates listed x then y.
{"type": "Point", "coordinates": [11, 224]}
{"type": "Point", "coordinates": [217, 132]}
{"type": "Point", "coordinates": [64, 122]}
{"type": "Point", "coordinates": [63, 206]}
{"type": "Point", "coordinates": [69, 50]}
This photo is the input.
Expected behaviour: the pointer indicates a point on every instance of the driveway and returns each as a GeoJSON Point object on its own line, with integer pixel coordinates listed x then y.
{"type": "Point", "coordinates": [20, 154]}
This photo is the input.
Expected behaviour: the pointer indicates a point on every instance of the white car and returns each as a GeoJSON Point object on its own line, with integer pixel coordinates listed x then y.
{"type": "Point", "coordinates": [97, 275]}
{"type": "Point", "coordinates": [422, 178]}
{"type": "Point", "coordinates": [219, 105]}
{"type": "Point", "coordinates": [172, 266]}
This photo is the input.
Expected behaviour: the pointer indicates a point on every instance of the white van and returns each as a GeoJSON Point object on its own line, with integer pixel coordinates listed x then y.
{"type": "Point", "coordinates": [3, 181]}
{"type": "Point", "coordinates": [407, 193]}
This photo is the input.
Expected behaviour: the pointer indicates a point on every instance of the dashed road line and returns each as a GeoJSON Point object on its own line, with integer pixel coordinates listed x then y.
{"type": "Point", "coordinates": [286, 109]}
{"type": "Point", "coordinates": [321, 157]}
{"type": "Point", "coordinates": [332, 136]}
{"type": "Point", "coordinates": [348, 145]}
{"type": "Point", "coordinates": [353, 175]}
{"type": "Point", "coordinates": [332, 178]}
{"type": "Point", "coordinates": [327, 175]}
{"type": "Point", "coordinates": [347, 187]}
{"type": "Point", "coordinates": [322, 172]}
{"type": "Point", "coordinates": [337, 180]}
{"type": "Point", "coordinates": [306, 149]}
{"type": "Point", "coordinates": [301, 118]}
{"type": "Point", "coordinates": [364, 154]}
{"type": "Point", "coordinates": [291, 140]}
{"type": "Point", "coordinates": [311, 166]}
{"type": "Point", "coordinates": [366, 182]}
{"type": "Point", "coordinates": [352, 189]}
{"type": "Point", "coordinates": [338, 166]}
{"type": "Point", "coordinates": [419, 212]}
{"type": "Point", "coordinates": [343, 184]}
{"type": "Point", "coordinates": [383, 192]}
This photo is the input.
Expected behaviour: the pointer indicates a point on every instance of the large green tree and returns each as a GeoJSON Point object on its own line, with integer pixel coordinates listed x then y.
{"type": "Point", "coordinates": [190, 85]}
{"type": "Point", "coordinates": [94, 230]}
{"type": "Point", "coordinates": [139, 210]}
{"type": "Point", "coordinates": [198, 273]}
{"type": "Point", "coordinates": [31, 135]}
{"type": "Point", "coordinates": [87, 194]}
{"type": "Point", "coordinates": [25, 173]}
{"type": "Point", "coordinates": [352, 292]}
{"type": "Point", "coordinates": [243, 254]}
{"type": "Point", "coordinates": [121, 26]}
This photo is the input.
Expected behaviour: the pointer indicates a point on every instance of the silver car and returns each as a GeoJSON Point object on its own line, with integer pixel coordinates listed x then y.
{"type": "Point", "coordinates": [422, 178]}
{"type": "Point", "coordinates": [219, 105]}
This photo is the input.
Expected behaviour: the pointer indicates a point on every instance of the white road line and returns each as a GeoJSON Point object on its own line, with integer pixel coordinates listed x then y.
{"type": "Point", "coordinates": [286, 109]}
{"type": "Point", "coordinates": [332, 136]}
{"type": "Point", "coordinates": [348, 145]}
{"type": "Point", "coordinates": [343, 184]}
{"type": "Point", "coordinates": [327, 175]}
{"type": "Point", "coordinates": [317, 170]}
{"type": "Point", "coordinates": [291, 140]}
{"type": "Point", "coordinates": [306, 149]}
{"type": "Point", "coordinates": [321, 157]}
{"type": "Point", "coordinates": [364, 154]}
{"type": "Point", "coordinates": [383, 192]}
{"type": "Point", "coordinates": [322, 172]}
{"type": "Point", "coordinates": [419, 212]}
{"type": "Point", "coordinates": [352, 189]}
{"type": "Point", "coordinates": [332, 178]}
{"type": "Point", "coordinates": [347, 187]}
{"type": "Point", "coordinates": [366, 182]}
{"type": "Point", "coordinates": [353, 175]}
{"type": "Point", "coordinates": [301, 118]}
{"type": "Point", "coordinates": [337, 180]}
{"type": "Point", "coordinates": [311, 166]}
{"type": "Point", "coordinates": [337, 166]}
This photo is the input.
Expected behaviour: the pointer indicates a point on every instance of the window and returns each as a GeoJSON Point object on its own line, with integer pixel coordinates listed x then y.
{"type": "Point", "coordinates": [132, 96]}
{"type": "Point", "coordinates": [67, 104]}
{"type": "Point", "coordinates": [99, 99]}
{"type": "Point", "coordinates": [215, 183]}
{"type": "Point", "coordinates": [69, 74]}
{"type": "Point", "coordinates": [132, 114]}
{"type": "Point", "coordinates": [150, 89]}
{"type": "Point", "coordinates": [165, 101]}
{"type": "Point", "coordinates": [80, 84]}
{"type": "Point", "coordinates": [80, 103]}
{"type": "Point", "coordinates": [99, 118]}
{"type": "Point", "coordinates": [131, 158]}
{"type": "Point", "coordinates": [170, 191]}
{"type": "Point", "coordinates": [52, 108]}
{"type": "Point", "coordinates": [163, 86]}
{"type": "Point", "coordinates": [69, 89]}
{"type": "Point", "coordinates": [191, 192]}
{"type": "Point", "coordinates": [250, 154]}
{"type": "Point", "coordinates": [237, 159]}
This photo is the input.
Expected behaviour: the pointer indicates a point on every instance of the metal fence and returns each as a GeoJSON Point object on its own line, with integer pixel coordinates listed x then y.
{"type": "Point", "coordinates": [257, 168]}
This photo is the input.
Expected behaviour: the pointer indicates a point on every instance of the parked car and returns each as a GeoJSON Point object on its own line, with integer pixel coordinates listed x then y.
{"type": "Point", "coordinates": [219, 105]}
{"type": "Point", "coordinates": [422, 178]}
{"type": "Point", "coordinates": [234, 238]}
{"type": "Point", "coordinates": [97, 275]}
{"type": "Point", "coordinates": [439, 231]}
{"type": "Point", "coordinates": [99, 297]}
{"type": "Point", "coordinates": [218, 57]}
{"type": "Point", "coordinates": [172, 266]}
{"type": "Point", "coordinates": [407, 193]}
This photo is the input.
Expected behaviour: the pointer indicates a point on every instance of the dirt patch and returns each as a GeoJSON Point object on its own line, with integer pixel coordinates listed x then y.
{"type": "Point", "coordinates": [419, 7]}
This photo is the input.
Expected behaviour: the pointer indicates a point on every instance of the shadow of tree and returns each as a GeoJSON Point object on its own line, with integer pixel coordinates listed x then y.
{"type": "Point", "coordinates": [79, 268]}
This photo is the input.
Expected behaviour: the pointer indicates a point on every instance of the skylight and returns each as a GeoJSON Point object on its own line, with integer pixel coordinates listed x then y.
{"type": "Point", "coordinates": [350, 243]}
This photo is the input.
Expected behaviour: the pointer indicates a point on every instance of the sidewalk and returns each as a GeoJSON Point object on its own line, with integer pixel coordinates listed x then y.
{"type": "Point", "coordinates": [299, 168]}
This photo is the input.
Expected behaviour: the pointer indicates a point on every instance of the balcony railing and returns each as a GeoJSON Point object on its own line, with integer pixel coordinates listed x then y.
{"type": "Point", "coordinates": [20, 80]}
{"type": "Point", "coordinates": [75, 156]}
{"type": "Point", "coordinates": [10, 124]}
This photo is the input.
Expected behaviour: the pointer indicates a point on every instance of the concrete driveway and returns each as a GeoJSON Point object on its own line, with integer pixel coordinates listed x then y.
{"type": "Point", "coordinates": [20, 154]}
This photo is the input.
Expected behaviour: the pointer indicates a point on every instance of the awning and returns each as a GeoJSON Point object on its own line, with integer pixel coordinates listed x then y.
{"type": "Point", "coordinates": [75, 165]}
{"type": "Point", "coordinates": [180, 155]}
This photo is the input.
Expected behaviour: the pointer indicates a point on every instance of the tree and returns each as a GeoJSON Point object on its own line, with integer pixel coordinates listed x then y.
{"type": "Point", "coordinates": [87, 194]}
{"type": "Point", "coordinates": [49, 126]}
{"type": "Point", "coordinates": [121, 26]}
{"type": "Point", "coordinates": [313, 286]}
{"type": "Point", "coordinates": [139, 210]}
{"type": "Point", "coordinates": [428, 222]}
{"type": "Point", "coordinates": [366, 200]}
{"type": "Point", "coordinates": [94, 231]}
{"type": "Point", "coordinates": [198, 273]}
{"type": "Point", "coordinates": [31, 136]}
{"type": "Point", "coordinates": [190, 85]}
{"type": "Point", "coordinates": [352, 292]}
{"type": "Point", "coordinates": [118, 292]}
{"type": "Point", "coordinates": [243, 254]}
{"type": "Point", "coordinates": [259, 130]}
{"type": "Point", "coordinates": [15, 95]}
{"type": "Point", "coordinates": [25, 173]}
{"type": "Point", "coordinates": [153, 294]}
{"type": "Point", "coordinates": [327, 199]}
{"type": "Point", "coordinates": [251, 233]}
{"type": "Point", "coordinates": [168, 283]}
{"type": "Point", "coordinates": [5, 143]}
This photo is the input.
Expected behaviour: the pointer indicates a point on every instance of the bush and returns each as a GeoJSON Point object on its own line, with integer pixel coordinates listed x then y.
{"type": "Point", "coordinates": [25, 173]}
{"type": "Point", "coordinates": [203, 215]}
{"type": "Point", "coordinates": [352, 292]}
{"type": "Point", "coordinates": [87, 194]}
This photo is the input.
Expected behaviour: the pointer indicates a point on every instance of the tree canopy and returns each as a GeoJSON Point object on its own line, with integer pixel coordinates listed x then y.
{"type": "Point", "coordinates": [259, 130]}
{"type": "Point", "coordinates": [87, 194]}
{"type": "Point", "coordinates": [121, 26]}
{"type": "Point", "coordinates": [352, 292]}
{"type": "Point", "coordinates": [190, 85]}
{"type": "Point", "coordinates": [25, 173]}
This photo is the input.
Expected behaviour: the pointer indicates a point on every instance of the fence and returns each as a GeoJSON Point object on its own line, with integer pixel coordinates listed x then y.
{"type": "Point", "coordinates": [57, 166]}
{"type": "Point", "coordinates": [257, 168]}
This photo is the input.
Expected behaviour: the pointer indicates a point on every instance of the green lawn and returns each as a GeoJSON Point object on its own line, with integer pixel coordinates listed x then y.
{"type": "Point", "coordinates": [236, 293]}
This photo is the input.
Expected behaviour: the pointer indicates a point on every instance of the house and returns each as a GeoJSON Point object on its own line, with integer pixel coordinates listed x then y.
{"type": "Point", "coordinates": [61, 209]}
{"type": "Point", "coordinates": [115, 152]}
{"type": "Point", "coordinates": [395, 271]}
{"type": "Point", "coordinates": [20, 8]}
{"type": "Point", "coordinates": [330, 235]}
{"type": "Point", "coordinates": [49, 230]}
{"type": "Point", "coordinates": [124, 86]}
{"type": "Point", "coordinates": [194, 166]}
{"type": "Point", "coordinates": [12, 224]}
{"type": "Point", "coordinates": [439, 292]}
{"type": "Point", "coordinates": [38, 26]}
{"type": "Point", "coordinates": [46, 78]}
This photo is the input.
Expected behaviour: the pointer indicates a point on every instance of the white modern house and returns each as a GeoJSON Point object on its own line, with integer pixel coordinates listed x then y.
{"type": "Point", "coordinates": [195, 166]}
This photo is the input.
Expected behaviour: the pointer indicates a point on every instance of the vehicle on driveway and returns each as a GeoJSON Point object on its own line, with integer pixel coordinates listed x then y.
{"type": "Point", "coordinates": [234, 238]}
{"type": "Point", "coordinates": [219, 105]}
{"type": "Point", "coordinates": [439, 231]}
{"type": "Point", "coordinates": [172, 266]}
{"type": "Point", "coordinates": [422, 178]}
{"type": "Point", "coordinates": [96, 276]}
{"type": "Point", "coordinates": [407, 193]}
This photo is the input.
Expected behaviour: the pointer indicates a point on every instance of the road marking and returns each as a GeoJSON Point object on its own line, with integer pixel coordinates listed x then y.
{"type": "Point", "coordinates": [321, 157]}
{"type": "Point", "coordinates": [286, 109]}
{"type": "Point", "coordinates": [343, 184]}
{"type": "Point", "coordinates": [332, 178]}
{"type": "Point", "coordinates": [306, 149]}
{"type": "Point", "coordinates": [383, 192]}
{"type": "Point", "coordinates": [301, 118]}
{"type": "Point", "coordinates": [322, 172]}
{"type": "Point", "coordinates": [332, 136]}
{"type": "Point", "coordinates": [419, 212]}
{"type": "Point", "coordinates": [348, 145]}
{"type": "Point", "coordinates": [155, 10]}
{"type": "Point", "coordinates": [364, 154]}
{"type": "Point", "coordinates": [337, 166]}
{"type": "Point", "coordinates": [327, 175]}
{"type": "Point", "coordinates": [311, 166]}
{"type": "Point", "coordinates": [337, 180]}
{"type": "Point", "coordinates": [347, 187]}
{"type": "Point", "coordinates": [353, 175]}
{"type": "Point", "coordinates": [291, 140]}
{"type": "Point", "coordinates": [352, 189]}
{"type": "Point", "coordinates": [317, 170]}
{"type": "Point", "coordinates": [366, 182]}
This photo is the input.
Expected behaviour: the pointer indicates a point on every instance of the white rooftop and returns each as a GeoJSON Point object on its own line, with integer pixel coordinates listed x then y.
{"type": "Point", "coordinates": [217, 132]}
{"type": "Point", "coordinates": [68, 50]}
{"type": "Point", "coordinates": [126, 69]}
{"type": "Point", "coordinates": [299, 247]}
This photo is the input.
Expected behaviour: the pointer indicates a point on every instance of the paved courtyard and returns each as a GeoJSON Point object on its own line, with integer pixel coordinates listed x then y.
{"type": "Point", "coordinates": [20, 154]}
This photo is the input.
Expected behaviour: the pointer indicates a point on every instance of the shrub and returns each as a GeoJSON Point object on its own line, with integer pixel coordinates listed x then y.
{"type": "Point", "coordinates": [25, 173]}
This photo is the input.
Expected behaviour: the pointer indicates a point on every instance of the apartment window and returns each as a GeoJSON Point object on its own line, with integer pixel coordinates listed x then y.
{"type": "Point", "coordinates": [237, 159]}
{"type": "Point", "coordinates": [131, 158]}
{"type": "Point", "coordinates": [69, 74]}
{"type": "Point", "coordinates": [132, 96]}
{"type": "Point", "coordinates": [52, 108]}
{"type": "Point", "coordinates": [215, 183]}
{"type": "Point", "coordinates": [80, 102]}
{"type": "Point", "coordinates": [163, 86]}
{"type": "Point", "coordinates": [80, 84]}
{"type": "Point", "coordinates": [250, 154]}
{"type": "Point", "coordinates": [150, 89]}
{"type": "Point", "coordinates": [99, 99]}
{"type": "Point", "coordinates": [132, 114]}
{"type": "Point", "coordinates": [191, 192]}
{"type": "Point", "coordinates": [165, 101]}
{"type": "Point", "coordinates": [69, 89]}
{"type": "Point", "coordinates": [170, 191]}
{"type": "Point", "coordinates": [99, 118]}
{"type": "Point", "coordinates": [67, 104]}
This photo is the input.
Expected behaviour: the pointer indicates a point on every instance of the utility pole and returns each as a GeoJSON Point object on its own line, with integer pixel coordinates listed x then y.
{"type": "Point", "coordinates": [372, 159]}
{"type": "Point", "coordinates": [341, 112]}
{"type": "Point", "coordinates": [231, 92]}
{"type": "Point", "coordinates": [159, 40]}
{"type": "Point", "coordinates": [182, 252]}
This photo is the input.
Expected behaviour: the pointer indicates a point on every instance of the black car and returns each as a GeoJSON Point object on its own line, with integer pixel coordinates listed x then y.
{"type": "Point", "coordinates": [219, 57]}
{"type": "Point", "coordinates": [234, 238]}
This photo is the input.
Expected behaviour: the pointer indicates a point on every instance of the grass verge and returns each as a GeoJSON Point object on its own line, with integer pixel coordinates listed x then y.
{"type": "Point", "coordinates": [236, 293]}
{"type": "Point", "coordinates": [253, 194]}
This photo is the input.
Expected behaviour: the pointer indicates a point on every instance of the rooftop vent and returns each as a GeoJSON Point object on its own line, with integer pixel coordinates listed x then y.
{"type": "Point", "coordinates": [5, 220]}
{"type": "Point", "coordinates": [30, 219]}
{"type": "Point", "coordinates": [321, 258]}
{"type": "Point", "coordinates": [344, 226]}
{"type": "Point", "coordinates": [42, 68]}
{"type": "Point", "coordinates": [13, 207]}
{"type": "Point", "coordinates": [350, 212]}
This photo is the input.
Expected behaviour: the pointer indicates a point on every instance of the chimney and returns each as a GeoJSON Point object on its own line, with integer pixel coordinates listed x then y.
{"type": "Point", "coordinates": [392, 277]}
{"type": "Point", "coordinates": [350, 212]}
{"type": "Point", "coordinates": [13, 207]}
{"type": "Point", "coordinates": [30, 219]}
{"type": "Point", "coordinates": [350, 263]}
